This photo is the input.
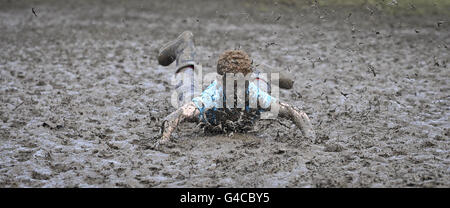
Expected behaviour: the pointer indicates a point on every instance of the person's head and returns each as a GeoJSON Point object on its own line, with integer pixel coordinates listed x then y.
{"type": "Point", "coordinates": [234, 61]}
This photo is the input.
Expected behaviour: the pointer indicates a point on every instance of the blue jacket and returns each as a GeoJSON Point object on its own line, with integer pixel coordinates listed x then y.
{"type": "Point", "coordinates": [212, 96]}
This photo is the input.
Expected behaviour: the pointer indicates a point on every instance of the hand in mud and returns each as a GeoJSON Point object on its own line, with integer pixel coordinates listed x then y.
{"type": "Point", "coordinates": [158, 144]}
{"type": "Point", "coordinates": [162, 143]}
{"type": "Point", "coordinates": [310, 135]}
{"type": "Point", "coordinates": [163, 137]}
{"type": "Point", "coordinates": [300, 119]}
{"type": "Point", "coordinates": [186, 112]}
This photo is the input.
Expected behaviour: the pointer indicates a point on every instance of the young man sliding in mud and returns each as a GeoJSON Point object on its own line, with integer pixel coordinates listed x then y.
{"type": "Point", "coordinates": [226, 105]}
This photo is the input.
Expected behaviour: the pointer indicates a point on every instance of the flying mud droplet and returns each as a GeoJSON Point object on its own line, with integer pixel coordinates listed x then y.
{"type": "Point", "coordinates": [34, 12]}
{"type": "Point", "coordinates": [278, 18]}
{"type": "Point", "coordinates": [372, 69]}
{"type": "Point", "coordinates": [345, 94]}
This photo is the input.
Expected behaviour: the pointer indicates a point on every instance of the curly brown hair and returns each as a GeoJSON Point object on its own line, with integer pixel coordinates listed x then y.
{"type": "Point", "coordinates": [234, 61]}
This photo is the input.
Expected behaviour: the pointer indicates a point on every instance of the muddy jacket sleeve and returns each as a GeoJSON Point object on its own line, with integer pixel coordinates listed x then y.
{"type": "Point", "coordinates": [210, 98]}
{"type": "Point", "coordinates": [258, 95]}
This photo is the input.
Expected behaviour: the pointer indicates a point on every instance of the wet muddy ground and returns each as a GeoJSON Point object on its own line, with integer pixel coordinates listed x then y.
{"type": "Point", "coordinates": [82, 96]}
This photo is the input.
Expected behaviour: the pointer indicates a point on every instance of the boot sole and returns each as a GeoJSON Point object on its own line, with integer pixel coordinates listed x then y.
{"type": "Point", "coordinates": [165, 57]}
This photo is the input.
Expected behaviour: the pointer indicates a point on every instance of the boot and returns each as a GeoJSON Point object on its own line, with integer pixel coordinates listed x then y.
{"type": "Point", "coordinates": [182, 49]}
{"type": "Point", "coordinates": [286, 80]}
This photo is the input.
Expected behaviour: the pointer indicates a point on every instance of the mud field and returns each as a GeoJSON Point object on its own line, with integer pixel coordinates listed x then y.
{"type": "Point", "coordinates": [82, 95]}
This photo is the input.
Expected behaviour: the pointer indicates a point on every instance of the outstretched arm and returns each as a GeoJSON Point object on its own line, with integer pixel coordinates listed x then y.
{"type": "Point", "coordinates": [191, 110]}
{"type": "Point", "coordinates": [285, 110]}
{"type": "Point", "coordinates": [299, 118]}
{"type": "Point", "coordinates": [188, 111]}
